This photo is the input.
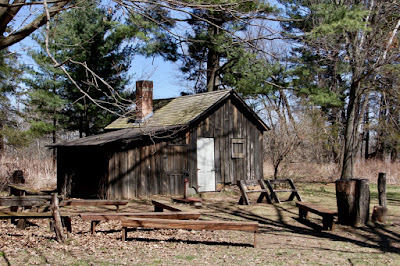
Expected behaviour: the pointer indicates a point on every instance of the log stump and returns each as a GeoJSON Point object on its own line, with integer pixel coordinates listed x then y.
{"type": "Point", "coordinates": [353, 199]}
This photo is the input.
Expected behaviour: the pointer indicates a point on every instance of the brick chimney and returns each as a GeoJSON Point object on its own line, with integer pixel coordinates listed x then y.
{"type": "Point", "coordinates": [144, 99]}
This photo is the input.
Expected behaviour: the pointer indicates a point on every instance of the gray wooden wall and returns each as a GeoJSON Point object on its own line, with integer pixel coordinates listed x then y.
{"type": "Point", "coordinates": [148, 168]}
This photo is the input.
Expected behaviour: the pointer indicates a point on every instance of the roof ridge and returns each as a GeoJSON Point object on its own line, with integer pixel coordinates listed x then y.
{"type": "Point", "coordinates": [203, 93]}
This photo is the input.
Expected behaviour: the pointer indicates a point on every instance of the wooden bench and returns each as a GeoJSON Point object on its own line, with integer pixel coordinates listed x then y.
{"type": "Point", "coordinates": [20, 190]}
{"type": "Point", "coordinates": [19, 203]}
{"type": "Point", "coordinates": [159, 206]}
{"type": "Point", "coordinates": [96, 218]}
{"type": "Point", "coordinates": [93, 202]}
{"type": "Point", "coordinates": [291, 189]}
{"type": "Point", "coordinates": [188, 225]}
{"type": "Point", "coordinates": [326, 214]}
{"type": "Point", "coordinates": [26, 201]}
{"type": "Point", "coordinates": [252, 186]}
{"type": "Point", "coordinates": [66, 219]}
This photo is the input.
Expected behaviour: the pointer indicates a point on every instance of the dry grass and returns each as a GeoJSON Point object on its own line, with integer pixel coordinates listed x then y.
{"type": "Point", "coordinates": [36, 162]}
{"type": "Point", "coordinates": [282, 238]}
{"type": "Point", "coordinates": [329, 172]}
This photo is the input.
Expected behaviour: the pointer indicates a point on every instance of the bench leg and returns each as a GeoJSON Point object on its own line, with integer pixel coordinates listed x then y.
{"type": "Point", "coordinates": [303, 214]}
{"type": "Point", "coordinates": [328, 222]}
{"type": "Point", "coordinates": [255, 239]}
{"type": "Point", "coordinates": [240, 200]}
{"type": "Point", "coordinates": [124, 233]}
{"type": "Point", "coordinates": [66, 221]}
{"type": "Point", "coordinates": [264, 195]}
{"type": "Point", "coordinates": [21, 224]}
{"type": "Point", "coordinates": [158, 209]}
{"type": "Point", "coordinates": [93, 225]}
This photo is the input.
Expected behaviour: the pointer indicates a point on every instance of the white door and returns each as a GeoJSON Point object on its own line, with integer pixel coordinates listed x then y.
{"type": "Point", "coordinates": [205, 165]}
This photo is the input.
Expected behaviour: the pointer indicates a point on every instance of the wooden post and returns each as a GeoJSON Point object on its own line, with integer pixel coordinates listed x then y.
{"type": "Point", "coordinates": [379, 213]}
{"type": "Point", "coordinates": [185, 188]}
{"type": "Point", "coordinates": [58, 228]}
{"type": "Point", "coordinates": [382, 189]}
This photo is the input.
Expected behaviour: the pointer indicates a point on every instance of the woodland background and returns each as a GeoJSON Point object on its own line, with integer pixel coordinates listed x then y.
{"type": "Point", "coordinates": [323, 74]}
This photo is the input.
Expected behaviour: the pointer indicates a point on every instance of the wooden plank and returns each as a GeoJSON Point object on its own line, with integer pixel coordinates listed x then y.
{"type": "Point", "coordinates": [327, 215]}
{"type": "Point", "coordinates": [157, 215]}
{"type": "Point", "coordinates": [315, 209]}
{"type": "Point", "coordinates": [159, 206]}
{"type": "Point", "coordinates": [94, 202]}
{"type": "Point", "coordinates": [18, 190]}
{"type": "Point", "coordinates": [117, 186]}
{"type": "Point", "coordinates": [137, 171]}
{"type": "Point", "coordinates": [130, 174]}
{"type": "Point", "coordinates": [142, 182]}
{"type": "Point", "coordinates": [25, 201]}
{"type": "Point", "coordinates": [278, 181]}
{"type": "Point", "coordinates": [27, 215]}
{"type": "Point", "coordinates": [189, 224]}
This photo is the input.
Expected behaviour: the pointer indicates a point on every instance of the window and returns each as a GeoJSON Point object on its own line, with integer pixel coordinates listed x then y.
{"type": "Point", "coordinates": [238, 148]}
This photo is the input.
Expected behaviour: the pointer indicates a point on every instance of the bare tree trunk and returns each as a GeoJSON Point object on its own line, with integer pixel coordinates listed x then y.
{"type": "Point", "coordinates": [212, 63]}
{"type": "Point", "coordinates": [366, 131]}
{"type": "Point", "coordinates": [350, 135]}
{"type": "Point", "coordinates": [1, 141]}
{"type": "Point", "coordinates": [54, 133]}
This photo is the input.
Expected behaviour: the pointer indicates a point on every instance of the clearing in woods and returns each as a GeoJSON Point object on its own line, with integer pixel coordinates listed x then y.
{"type": "Point", "coordinates": [282, 238]}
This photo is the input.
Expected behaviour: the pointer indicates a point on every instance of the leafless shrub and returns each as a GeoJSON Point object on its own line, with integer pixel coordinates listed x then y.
{"type": "Point", "coordinates": [35, 161]}
{"type": "Point", "coordinates": [329, 172]}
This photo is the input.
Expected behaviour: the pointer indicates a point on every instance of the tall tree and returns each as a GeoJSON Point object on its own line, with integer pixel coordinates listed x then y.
{"type": "Point", "coordinates": [93, 44]}
{"type": "Point", "coordinates": [358, 34]}
{"type": "Point", "coordinates": [9, 78]}
{"type": "Point", "coordinates": [217, 43]}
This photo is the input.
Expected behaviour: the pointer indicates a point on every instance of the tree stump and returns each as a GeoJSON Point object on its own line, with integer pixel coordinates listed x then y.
{"type": "Point", "coordinates": [352, 196]}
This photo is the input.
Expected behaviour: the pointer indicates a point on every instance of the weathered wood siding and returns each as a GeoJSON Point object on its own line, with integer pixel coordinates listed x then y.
{"type": "Point", "coordinates": [145, 167]}
{"type": "Point", "coordinates": [225, 123]}
{"type": "Point", "coordinates": [155, 168]}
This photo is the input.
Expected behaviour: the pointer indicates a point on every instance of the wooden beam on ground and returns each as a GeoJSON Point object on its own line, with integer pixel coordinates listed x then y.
{"type": "Point", "coordinates": [120, 216]}
{"type": "Point", "coordinates": [94, 202]}
{"type": "Point", "coordinates": [27, 215]}
{"type": "Point", "coordinates": [96, 218]}
{"type": "Point", "coordinates": [188, 225]}
{"type": "Point", "coordinates": [159, 206]}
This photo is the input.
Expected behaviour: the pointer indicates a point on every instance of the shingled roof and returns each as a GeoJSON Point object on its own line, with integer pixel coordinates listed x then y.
{"type": "Point", "coordinates": [179, 111]}
{"type": "Point", "coordinates": [174, 113]}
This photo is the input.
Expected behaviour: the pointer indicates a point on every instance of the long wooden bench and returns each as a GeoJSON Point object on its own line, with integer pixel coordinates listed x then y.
{"type": "Point", "coordinates": [188, 225]}
{"type": "Point", "coordinates": [327, 215]}
{"type": "Point", "coordinates": [93, 202]}
{"type": "Point", "coordinates": [19, 203]}
{"type": "Point", "coordinates": [66, 219]}
{"type": "Point", "coordinates": [26, 201]}
{"type": "Point", "coordinates": [96, 218]}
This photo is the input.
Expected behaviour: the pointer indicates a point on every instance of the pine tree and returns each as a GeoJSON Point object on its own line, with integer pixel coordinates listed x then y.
{"type": "Point", "coordinates": [92, 43]}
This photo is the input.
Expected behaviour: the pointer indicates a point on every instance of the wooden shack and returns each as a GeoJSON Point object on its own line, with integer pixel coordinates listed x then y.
{"type": "Point", "coordinates": [212, 139]}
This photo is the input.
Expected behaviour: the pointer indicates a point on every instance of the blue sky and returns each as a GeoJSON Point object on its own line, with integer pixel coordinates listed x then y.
{"type": "Point", "coordinates": [165, 75]}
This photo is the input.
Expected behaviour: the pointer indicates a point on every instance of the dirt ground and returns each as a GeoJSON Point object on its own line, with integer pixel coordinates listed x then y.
{"type": "Point", "coordinates": [282, 238]}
